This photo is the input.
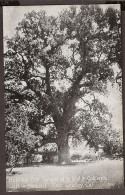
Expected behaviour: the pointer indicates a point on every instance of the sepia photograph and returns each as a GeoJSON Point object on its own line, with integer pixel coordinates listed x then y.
{"type": "Point", "coordinates": [63, 97]}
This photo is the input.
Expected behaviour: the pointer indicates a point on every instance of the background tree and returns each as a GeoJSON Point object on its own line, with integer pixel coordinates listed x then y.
{"type": "Point", "coordinates": [51, 63]}
{"type": "Point", "coordinates": [19, 138]}
{"type": "Point", "coordinates": [93, 122]}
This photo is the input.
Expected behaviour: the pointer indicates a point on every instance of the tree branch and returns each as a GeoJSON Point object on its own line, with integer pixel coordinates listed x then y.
{"type": "Point", "coordinates": [86, 102]}
{"type": "Point", "coordinates": [38, 76]}
{"type": "Point", "coordinates": [48, 91]}
{"type": "Point", "coordinates": [86, 84]}
{"type": "Point", "coordinates": [12, 91]}
{"type": "Point", "coordinates": [18, 95]}
{"type": "Point", "coordinates": [119, 76]}
{"type": "Point", "coordinates": [47, 123]}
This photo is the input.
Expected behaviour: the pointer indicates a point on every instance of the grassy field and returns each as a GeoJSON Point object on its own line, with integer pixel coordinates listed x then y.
{"type": "Point", "coordinates": [104, 174]}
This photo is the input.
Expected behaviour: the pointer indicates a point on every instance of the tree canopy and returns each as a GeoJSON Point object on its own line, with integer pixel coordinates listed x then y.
{"type": "Point", "coordinates": [52, 63]}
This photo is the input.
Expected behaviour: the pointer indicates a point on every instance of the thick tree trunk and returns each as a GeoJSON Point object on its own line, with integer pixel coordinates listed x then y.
{"type": "Point", "coordinates": [63, 149]}
{"type": "Point", "coordinates": [62, 126]}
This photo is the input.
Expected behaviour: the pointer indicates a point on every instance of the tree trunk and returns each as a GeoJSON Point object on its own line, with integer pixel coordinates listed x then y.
{"type": "Point", "coordinates": [63, 149]}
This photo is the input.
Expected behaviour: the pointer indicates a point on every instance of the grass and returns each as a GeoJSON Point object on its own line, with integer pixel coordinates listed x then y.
{"type": "Point", "coordinates": [104, 174]}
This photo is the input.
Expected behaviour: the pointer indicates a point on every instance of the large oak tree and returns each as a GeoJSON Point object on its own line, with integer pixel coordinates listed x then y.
{"type": "Point", "coordinates": [53, 63]}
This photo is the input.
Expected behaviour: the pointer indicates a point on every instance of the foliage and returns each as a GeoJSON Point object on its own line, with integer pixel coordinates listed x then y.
{"type": "Point", "coordinates": [19, 138]}
{"type": "Point", "coordinates": [51, 63]}
{"type": "Point", "coordinates": [76, 157]}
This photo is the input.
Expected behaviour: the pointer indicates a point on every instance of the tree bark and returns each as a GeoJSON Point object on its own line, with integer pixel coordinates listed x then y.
{"type": "Point", "coordinates": [63, 148]}
{"type": "Point", "coordinates": [63, 153]}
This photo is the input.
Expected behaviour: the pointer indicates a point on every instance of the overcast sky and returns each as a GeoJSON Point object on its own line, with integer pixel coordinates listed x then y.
{"type": "Point", "coordinates": [12, 15]}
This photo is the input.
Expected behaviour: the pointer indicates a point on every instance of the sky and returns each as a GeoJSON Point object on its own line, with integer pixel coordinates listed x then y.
{"type": "Point", "coordinates": [12, 15]}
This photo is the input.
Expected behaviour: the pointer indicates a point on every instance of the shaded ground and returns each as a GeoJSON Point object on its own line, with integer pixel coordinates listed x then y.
{"type": "Point", "coordinates": [103, 174]}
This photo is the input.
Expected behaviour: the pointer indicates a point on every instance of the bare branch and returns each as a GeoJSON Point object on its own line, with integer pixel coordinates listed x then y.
{"type": "Point", "coordinates": [86, 102]}
{"type": "Point", "coordinates": [119, 76]}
